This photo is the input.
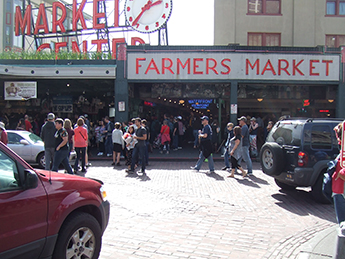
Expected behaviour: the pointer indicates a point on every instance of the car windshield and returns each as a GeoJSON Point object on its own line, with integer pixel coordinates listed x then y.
{"type": "Point", "coordinates": [34, 138]}
{"type": "Point", "coordinates": [286, 133]}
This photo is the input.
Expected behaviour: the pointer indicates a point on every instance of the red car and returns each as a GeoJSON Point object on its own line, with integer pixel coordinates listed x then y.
{"type": "Point", "coordinates": [46, 214]}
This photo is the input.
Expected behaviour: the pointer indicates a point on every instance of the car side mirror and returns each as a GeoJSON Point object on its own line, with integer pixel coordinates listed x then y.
{"type": "Point", "coordinates": [31, 179]}
{"type": "Point", "coordinates": [24, 142]}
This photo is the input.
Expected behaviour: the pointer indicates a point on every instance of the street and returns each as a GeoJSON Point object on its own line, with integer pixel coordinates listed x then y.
{"type": "Point", "coordinates": [175, 212]}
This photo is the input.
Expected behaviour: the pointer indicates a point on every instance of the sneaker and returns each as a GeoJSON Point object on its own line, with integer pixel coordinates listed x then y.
{"type": "Point", "coordinates": [88, 164]}
{"type": "Point", "coordinates": [108, 155]}
{"type": "Point", "coordinates": [129, 171]}
{"type": "Point", "coordinates": [210, 172]}
{"type": "Point", "coordinates": [225, 168]}
{"type": "Point", "coordinates": [193, 168]}
{"type": "Point", "coordinates": [100, 154]}
{"type": "Point", "coordinates": [113, 163]}
{"type": "Point", "coordinates": [118, 164]}
{"type": "Point", "coordinates": [83, 170]}
{"type": "Point", "coordinates": [249, 173]}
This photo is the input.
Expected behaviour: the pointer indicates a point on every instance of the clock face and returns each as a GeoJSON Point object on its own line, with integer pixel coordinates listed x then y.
{"type": "Point", "coordinates": [147, 15]}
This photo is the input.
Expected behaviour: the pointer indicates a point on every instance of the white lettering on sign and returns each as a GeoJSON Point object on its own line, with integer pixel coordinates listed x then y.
{"type": "Point", "coordinates": [222, 66]}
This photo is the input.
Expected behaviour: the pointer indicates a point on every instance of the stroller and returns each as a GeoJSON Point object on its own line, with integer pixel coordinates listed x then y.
{"type": "Point", "coordinates": [157, 142]}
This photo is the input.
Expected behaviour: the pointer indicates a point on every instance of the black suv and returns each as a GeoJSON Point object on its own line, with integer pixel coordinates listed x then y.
{"type": "Point", "coordinates": [297, 151]}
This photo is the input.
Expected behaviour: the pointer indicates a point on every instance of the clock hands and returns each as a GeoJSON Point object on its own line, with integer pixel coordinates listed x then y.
{"type": "Point", "coordinates": [146, 7]}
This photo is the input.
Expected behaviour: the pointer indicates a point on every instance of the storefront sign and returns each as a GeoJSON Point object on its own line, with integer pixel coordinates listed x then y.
{"type": "Point", "coordinates": [227, 66]}
{"type": "Point", "coordinates": [62, 104]}
{"type": "Point", "coordinates": [20, 90]}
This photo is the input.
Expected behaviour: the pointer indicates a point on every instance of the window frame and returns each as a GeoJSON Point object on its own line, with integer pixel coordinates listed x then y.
{"type": "Point", "coordinates": [337, 7]}
{"type": "Point", "coordinates": [264, 34]}
{"type": "Point", "coordinates": [264, 9]}
{"type": "Point", "coordinates": [337, 45]}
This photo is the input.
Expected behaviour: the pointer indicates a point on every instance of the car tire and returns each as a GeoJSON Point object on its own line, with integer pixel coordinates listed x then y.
{"type": "Point", "coordinates": [41, 160]}
{"type": "Point", "coordinates": [284, 186]}
{"type": "Point", "coordinates": [272, 158]}
{"type": "Point", "coordinates": [69, 242]}
{"type": "Point", "coordinates": [316, 191]}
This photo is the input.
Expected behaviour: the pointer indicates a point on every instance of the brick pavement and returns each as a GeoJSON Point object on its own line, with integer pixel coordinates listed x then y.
{"type": "Point", "coordinates": [174, 212]}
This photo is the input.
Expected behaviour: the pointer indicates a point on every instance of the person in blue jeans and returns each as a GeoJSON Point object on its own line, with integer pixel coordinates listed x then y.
{"type": "Point", "coordinates": [246, 144]}
{"type": "Point", "coordinates": [61, 147]}
{"type": "Point", "coordinates": [229, 127]}
{"type": "Point", "coordinates": [108, 136]}
{"type": "Point", "coordinates": [205, 136]}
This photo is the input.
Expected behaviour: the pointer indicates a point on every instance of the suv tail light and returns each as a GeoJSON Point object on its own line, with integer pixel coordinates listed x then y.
{"type": "Point", "coordinates": [302, 159]}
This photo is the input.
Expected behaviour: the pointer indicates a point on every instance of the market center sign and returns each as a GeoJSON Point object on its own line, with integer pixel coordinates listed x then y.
{"type": "Point", "coordinates": [227, 66]}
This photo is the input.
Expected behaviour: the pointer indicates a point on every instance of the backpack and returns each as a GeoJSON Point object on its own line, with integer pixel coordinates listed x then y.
{"type": "Point", "coordinates": [327, 179]}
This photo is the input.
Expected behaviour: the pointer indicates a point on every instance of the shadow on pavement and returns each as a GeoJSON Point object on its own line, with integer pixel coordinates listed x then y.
{"type": "Point", "coordinates": [216, 176]}
{"type": "Point", "coordinates": [247, 181]}
{"type": "Point", "coordinates": [258, 180]}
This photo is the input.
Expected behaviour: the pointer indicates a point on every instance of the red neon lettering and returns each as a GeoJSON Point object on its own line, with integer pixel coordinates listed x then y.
{"type": "Point", "coordinates": [179, 63]}
{"type": "Point", "coordinates": [154, 67]}
{"type": "Point", "coordinates": [226, 66]}
{"type": "Point", "coordinates": [85, 47]}
{"type": "Point", "coordinates": [195, 66]}
{"type": "Point", "coordinates": [257, 64]}
{"type": "Point", "coordinates": [213, 68]}
{"type": "Point", "coordinates": [268, 67]}
{"type": "Point", "coordinates": [114, 45]}
{"type": "Point", "coordinates": [78, 15]}
{"type": "Point", "coordinates": [41, 16]}
{"type": "Point", "coordinates": [99, 43]}
{"type": "Point", "coordinates": [116, 13]}
{"type": "Point", "coordinates": [59, 22]}
{"type": "Point", "coordinates": [97, 15]}
{"type": "Point", "coordinates": [23, 22]}
{"type": "Point", "coordinates": [75, 47]}
{"type": "Point", "coordinates": [137, 65]}
{"type": "Point", "coordinates": [43, 46]}
{"type": "Point", "coordinates": [280, 68]}
{"type": "Point", "coordinates": [327, 62]}
{"type": "Point", "coordinates": [311, 67]}
{"type": "Point", "coordinates": [59, 45]}
{"type": "Point", "coordinates": [168, 67]}
{"type": "Point", "coordinates": [295, 67]}
{"type": "Point", "coordinates": [135, 40]}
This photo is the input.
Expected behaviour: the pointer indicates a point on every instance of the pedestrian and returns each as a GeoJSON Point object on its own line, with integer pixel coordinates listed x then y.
{"type": "Point", "coordinates": [268, 128]}
{"type": "Point", "coordinates": [21, 124]}
{"type": "Point", "coordinates": [181, 130]}
{"type": "Point", "coordinates": [174, 145]}
{"type": "Point", "coordinates": [139, 149]}
{"type": "Point", "coordinates": [165, 137]}
{"type": "Point", "coordinates": [229, 127]}
{"type": "Point", "coordinates": [338, 180]}
{"type": "Point", "coordinates": [246, 144]}
{"type": "Point", "coordinates": [118, 144]}
{"type": "Point", "coordinates": [3, 133]}
{"type": "Point", "coordinates": [61, 147]}
{"type": "Point", "coordinates": [196, 126]}
{"type": "Point", "coordinates": [235, 151]}
{"type": "Point", "coordinates": [215, 132]}
{"type": "Point", "coordinates": [253, 131]}
{"type": "Point", "coordinates": [147, 141]}
{"type": "Point", "coordinates": [80, 141]}
{"type": "Point", "coordinates": [109, 127]}
{"type": "Point", "coordinates": [47, 135]}
{"type": "Point", "coordinates": [130, 142]}
{"type": "Point", "coordinates": [28, 125]}
{"type": "Point", "coordinates": [205, 138]}
{"type": "Point", "coordinates": [68, 126]}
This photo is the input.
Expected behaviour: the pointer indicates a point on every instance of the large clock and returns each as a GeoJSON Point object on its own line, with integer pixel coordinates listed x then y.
{"type": "Point", "coordinates": [147, 16]}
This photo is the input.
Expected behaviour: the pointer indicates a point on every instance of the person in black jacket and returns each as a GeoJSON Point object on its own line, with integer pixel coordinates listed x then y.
{"type": "Point", "coordinates": [47, 135]}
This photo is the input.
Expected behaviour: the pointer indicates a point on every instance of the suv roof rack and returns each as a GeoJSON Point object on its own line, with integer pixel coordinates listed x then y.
{"type": "Point", "coordinates": [324, 119]}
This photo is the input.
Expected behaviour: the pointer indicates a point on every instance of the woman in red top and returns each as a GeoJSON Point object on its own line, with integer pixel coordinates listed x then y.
{"type": "Point", "coordinates": [338, 179]}
{"type": "Point", "coordinates": [165, 136]}
{"type": "Point", "coordinates": [80, 144]}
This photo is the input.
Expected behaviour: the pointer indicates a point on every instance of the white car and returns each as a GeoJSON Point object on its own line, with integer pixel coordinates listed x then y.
{"type": "Point", "coordinates": [27, 145]}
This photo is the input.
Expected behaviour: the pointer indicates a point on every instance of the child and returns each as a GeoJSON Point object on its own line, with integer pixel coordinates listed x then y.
{"type": "Point", "coordinates": [235, 151]}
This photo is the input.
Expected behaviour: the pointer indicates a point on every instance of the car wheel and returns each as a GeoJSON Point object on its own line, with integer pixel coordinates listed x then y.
{"type": "Point", "coordinates": [272, 158]}
{"type": "Point", "coordinates": [284, 186]}
{"type": "Point", "coordinates": [41, 160]}
{"type": "Point", "coordinates": [316, 191]}
{"type": "Point", "coordinates": [79, 237]}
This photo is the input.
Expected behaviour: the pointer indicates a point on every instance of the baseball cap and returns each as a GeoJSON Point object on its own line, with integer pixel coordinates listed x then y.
{"type": "Point", "coordinates": [2, 125]}
{"type": "Point", "coordinates": [205, 118]}
{"type": "Point", "coordinates": [243, 118]}
{"type": "Point", "coordinates": [51, 116]}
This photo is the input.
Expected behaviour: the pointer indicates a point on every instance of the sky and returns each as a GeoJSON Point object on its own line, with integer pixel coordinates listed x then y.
{"type": "Point", "coordinates": [191, 23]}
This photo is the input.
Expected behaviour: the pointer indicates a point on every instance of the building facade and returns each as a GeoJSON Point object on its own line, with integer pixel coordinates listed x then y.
{"type": "Point", "coordinates": [294, 23]}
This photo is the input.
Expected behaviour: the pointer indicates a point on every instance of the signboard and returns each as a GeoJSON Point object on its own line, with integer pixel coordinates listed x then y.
{"type": "Point", "coordinates": [15, 91]}
{"type": "Point", "coordinates": [200, 103]}
{"type": "Point", "coordinates": [63, 104]}
{"type": "Point", "coordinates": [227, 66]}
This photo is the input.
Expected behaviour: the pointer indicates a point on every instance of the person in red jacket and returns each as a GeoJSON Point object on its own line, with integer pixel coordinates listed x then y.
{"type": "Point", "coordinates": [338, 180]}
{"type": "Point", "coordinates": [80, 144]}
{"type": "Point", "coordinates": [3, 133]}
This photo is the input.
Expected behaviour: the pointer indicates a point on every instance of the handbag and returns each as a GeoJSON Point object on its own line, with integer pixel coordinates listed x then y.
{"type": "Point", "coordinates": [327, 180]}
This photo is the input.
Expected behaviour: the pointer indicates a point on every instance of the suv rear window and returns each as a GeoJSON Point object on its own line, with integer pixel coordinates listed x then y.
{"type": "Point", "coordinates": [286, 133]}
{"type": "Point", "coordinates": [319, 137]}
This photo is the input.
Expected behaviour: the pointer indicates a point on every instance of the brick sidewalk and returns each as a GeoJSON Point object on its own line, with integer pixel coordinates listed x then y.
{"type": "Point", "coordinates": [174, 212]}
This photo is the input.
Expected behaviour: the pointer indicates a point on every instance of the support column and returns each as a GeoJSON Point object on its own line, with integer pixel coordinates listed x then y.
{"type": "Point", "coordinates": [121, 85]}
{"type": "Point", "coordinates": [233, 102]}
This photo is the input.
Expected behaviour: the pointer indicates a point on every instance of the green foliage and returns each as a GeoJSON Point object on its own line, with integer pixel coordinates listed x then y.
{"type": "Point", "coordinates": [51, 55]}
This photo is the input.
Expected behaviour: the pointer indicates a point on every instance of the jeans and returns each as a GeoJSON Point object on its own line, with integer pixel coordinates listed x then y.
{"type": "Point", "coordinates": [175, 142]}
{"type": "Point", "coordinates": [61, 157]}
{"type": "Point", "coordinates": [339, 206]}
{"type": "Point", "coordinates": [80, 154]}
{"type": "Point", "coordinates": [138, 151]}
{"type": "Point", "coordinates": [246, 159]}
{"type": "Point", "coordinates": [226, 158]}
{"type": "Point", "coordinates": [49, 155]}
{"type": "Point", "coordinates": [147, 152]}
{"type": "Point", "coordinates": [109, 145]}
{"type": "Point", "coordinates": [196, 137]}
{"type": "Point", "coordinates": [201, 160]}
